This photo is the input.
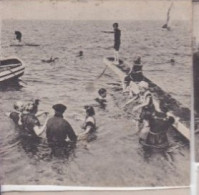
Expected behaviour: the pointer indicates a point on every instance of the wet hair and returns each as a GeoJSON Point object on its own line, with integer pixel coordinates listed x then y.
{"type": "Point", "coordinates": [171, 120]}
{"type": "Point", "coordinates": [137, 60]}
{"type": "Point", "coordinates": [115, 24]}
{"type": "Point", "coordinates": [164, 107]}
{"type": "Point", "coordinates": [102, 90]}
{"type": "Point", "coordinates": [89, 110]}
{"type": "Point", "coordinates": [36, 101]}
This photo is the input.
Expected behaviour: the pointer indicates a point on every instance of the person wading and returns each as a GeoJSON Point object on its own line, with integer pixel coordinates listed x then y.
{"type": "Point", "coordinates": [58, 129]}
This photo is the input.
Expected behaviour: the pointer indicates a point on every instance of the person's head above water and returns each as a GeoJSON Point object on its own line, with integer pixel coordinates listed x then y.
{"type": "Point", "coordinates": [115, 25]}
{"type": "Point", "coordinates": [163, 107]}
{"type": "Point", "coordinates": [143, 86]}
{"type": "Point", "coordinates": [19, 106]}
{"type": "Point", "coordinates": [59, 108]}
{"type": "Point", "coordinates": [89, 110]}
{"type": "Point", "coordinates": [18, 35]}
{"type": "Point", "coordinates": [137, 59]}
{"type": "Point", "coordinates": [102, 92]}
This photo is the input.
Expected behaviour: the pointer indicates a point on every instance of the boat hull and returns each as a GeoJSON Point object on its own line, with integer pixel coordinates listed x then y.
{"type": "Point", "coordinates": [10, 70]}
{"type": "Point", "coordinates": [180, 113]}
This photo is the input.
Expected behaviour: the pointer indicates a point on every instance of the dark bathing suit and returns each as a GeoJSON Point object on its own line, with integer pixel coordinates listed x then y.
{"type": "Point", "coordinates": [58, 129]}
{"type": "Point", "coordinates": [159, 126]}
{"type": "Point", "coordinates": [117, 34]}
{"type": "Point", "coordinates": [135, 75]}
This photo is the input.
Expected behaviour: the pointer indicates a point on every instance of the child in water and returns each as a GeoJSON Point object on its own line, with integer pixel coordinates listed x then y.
{"type": "Point", "coordinates": [102, 98]}
{"type": "Point", "coordinates": [89, 125]}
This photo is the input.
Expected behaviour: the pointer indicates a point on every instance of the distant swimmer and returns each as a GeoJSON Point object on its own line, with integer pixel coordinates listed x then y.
{"type": "Point", "coordinates": [58, 129]}
{"type": "Point", "coordinates": [18, 35]}
{"type": "Point", "coordinates": [51, 60]}
{"type": "Point", "coordinates": [166, 25]}
{"type": "Point", "coordinates": [117, 41]}
{"type": "Point", "coordinates": [172, 61]}
{"type": "Point", "coordinates": [80, 54]}
{"type": "Point", "coordinates": [102, 98]}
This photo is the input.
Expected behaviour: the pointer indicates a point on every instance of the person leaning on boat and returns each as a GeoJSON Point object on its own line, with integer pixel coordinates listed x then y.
{"type": "Point", "coordinates": [135, 74]}
{"type": "Point", "coordinates": [157, 138]}
{"type": "Point", "coordinates": [58, 129]}
{"type": "Point", "coordinates": [145, 102]}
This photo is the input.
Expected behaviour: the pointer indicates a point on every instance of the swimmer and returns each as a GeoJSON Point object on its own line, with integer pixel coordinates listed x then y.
{"type": "Point", "coordinates": [102, 98]}
{"type": "Point", "coordinates": [80, 54]}
{"type": "Point", "coordinates": [18, 35]}
{"type": "Point", "coordinates": [89, 125]}
{"type": "Point", "coordinates": [58, 129]}
{"type": "Point", "coordinates": [51, 60]}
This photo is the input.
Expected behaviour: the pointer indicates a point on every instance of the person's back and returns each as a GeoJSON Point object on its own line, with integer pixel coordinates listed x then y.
{"type": "Point", "coordinates": [58, 129]}
{"type": "Point", "coordinates": [159, 126]}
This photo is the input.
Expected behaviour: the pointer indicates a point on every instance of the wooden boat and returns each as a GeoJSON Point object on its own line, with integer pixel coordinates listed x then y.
{"type": "Point", "coordinates": [180, 113]}
{"type": "Point", "coordinates": [10, 69]}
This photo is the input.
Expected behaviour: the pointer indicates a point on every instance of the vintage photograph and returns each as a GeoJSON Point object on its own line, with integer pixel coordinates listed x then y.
{"type": "Point", "coordinates": [96, 93]}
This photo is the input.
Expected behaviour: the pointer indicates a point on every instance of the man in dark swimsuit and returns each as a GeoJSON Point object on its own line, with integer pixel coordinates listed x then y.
{"type": "Point", "coordinates": [117, 41]}
{"type": "Point", "coordinates": [58, 129]}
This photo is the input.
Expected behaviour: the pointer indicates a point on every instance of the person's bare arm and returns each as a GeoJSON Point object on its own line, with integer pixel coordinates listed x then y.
{"type": "Point", "coordinates": [39, 130]}
{"type": "Point", "coordinates": [108, 31]}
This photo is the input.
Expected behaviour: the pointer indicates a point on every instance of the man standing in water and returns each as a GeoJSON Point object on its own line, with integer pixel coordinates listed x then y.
{"type": "Point", "coordinates": [58, 129]}
{"type": "Point", "coordinates": [117, 35]}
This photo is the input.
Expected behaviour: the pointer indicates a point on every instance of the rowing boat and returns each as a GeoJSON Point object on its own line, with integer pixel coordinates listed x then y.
{"type": "Point", "coordinates": [180, 113]}
{"type": "Point", "coordinates": [11, 69]}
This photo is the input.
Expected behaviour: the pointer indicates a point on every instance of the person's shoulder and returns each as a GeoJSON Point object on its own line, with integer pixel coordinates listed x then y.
{"type": "Point", "coordinates": [90, 119]}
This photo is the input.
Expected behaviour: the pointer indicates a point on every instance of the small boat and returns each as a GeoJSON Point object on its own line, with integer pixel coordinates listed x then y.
{"type": "Point", "coordinates": [10, 69]}
{"type": "Point", "coordinates": [180, 113]}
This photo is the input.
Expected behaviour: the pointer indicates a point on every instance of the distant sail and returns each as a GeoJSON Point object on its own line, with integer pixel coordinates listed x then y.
{"type": "Point", "coordinates": [18, 35]}
{"type": "Point", "coordinates": [166, 25]}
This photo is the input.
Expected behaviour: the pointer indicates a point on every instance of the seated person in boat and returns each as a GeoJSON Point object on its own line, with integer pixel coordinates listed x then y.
{"type": "Point", "coordinates": [58, 129]}
{"type": "Point", "coordinates": [90, 123]}
{"type": "Point", "coordinates": [102, 98]}
{"type": "Point", "coordinates": [135, 74]}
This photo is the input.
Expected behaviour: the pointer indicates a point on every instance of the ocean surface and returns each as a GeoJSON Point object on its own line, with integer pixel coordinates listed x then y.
{"type": "Point", "coordinates": [115, 157]}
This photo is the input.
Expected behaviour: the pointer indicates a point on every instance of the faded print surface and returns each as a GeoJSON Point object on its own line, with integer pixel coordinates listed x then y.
{"type": "Point", "coordinates": [114, 157]}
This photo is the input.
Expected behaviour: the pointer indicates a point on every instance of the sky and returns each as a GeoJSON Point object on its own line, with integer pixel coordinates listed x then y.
{"type": "Point", "coordinates": [94, 9]}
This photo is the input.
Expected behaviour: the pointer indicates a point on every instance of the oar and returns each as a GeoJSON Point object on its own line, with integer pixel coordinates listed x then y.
{"type": "Point", "coordinates": [91, 85]}
{"type": "Point", "coordinates": [102, 73]}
